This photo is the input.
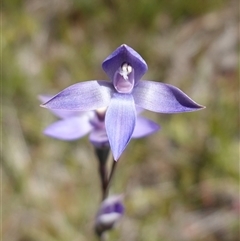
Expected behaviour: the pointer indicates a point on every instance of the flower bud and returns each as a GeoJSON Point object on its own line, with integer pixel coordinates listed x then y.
{"type": "Point", "coordinates": [110, 211]}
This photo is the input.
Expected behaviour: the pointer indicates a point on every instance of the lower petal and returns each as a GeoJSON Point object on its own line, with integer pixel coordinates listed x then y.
{"type": "Point", "coordinates": [144, 127]}
{"type": "Point", "coordinates": [69, 129]}
{"type": "Point", "coordinates": [120, 122]}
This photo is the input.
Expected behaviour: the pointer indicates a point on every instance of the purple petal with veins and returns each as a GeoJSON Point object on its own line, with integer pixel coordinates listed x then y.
{"type": "Point", "coordinates": [163, 98]}
{"type": "Point", "coordinates": [69, 129]}
{"type": "Point", "coordinates": [120, 122]}
{"type": "Point", "coordinates": [144, 127]}
{"type": "Point", "coordinates": [82, 96]}
{"type": "Point", "coordinates": [63, 114]}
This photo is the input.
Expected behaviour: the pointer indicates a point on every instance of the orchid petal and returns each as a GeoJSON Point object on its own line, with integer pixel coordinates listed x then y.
{"type": "Point", "coordinates": [124, 54]}
{"type": "Point", "coordinates": [139, 110]}
{"type": "Point", "coordinates": [44, 98]}
{"type": "Point", "coordinates": [69, 129]}
{"type": "Point", "coordinates": [163, 98]}
{"type": "Point", "coordinates": [120, 122]}
{"type": "Point", "coordinates": [144, 127]}
{"type": "Point", "coordinates": [63, 114]}
{"type": "Point", "coordinates": [84, 96]}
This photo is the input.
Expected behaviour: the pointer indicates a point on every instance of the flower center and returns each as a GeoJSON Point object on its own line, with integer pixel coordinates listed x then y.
{"type": "Point", "coordinates": [100, 112]}
{"type": "Point", "coordinates": [97, 118]}
{"type": "Point", "coordinates": [123, 80]}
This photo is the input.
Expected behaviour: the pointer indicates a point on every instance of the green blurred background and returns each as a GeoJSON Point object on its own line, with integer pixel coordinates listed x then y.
{"type": "Point", "coordinates": [180, 184]}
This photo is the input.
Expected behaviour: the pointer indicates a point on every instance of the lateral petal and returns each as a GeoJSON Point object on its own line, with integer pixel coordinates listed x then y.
{"type": "Point", "coordinates": [69, 129]}
{"type": "Point", "coordinates": [60, 113]}
{"type": "Point", "coordinates": [83, 96]}
{"type": "Point", "coordinates": [120, 122]}
{"type": "Point", "coordinates": [163, 98]}
{"type": "Point", "coordinates": [144, 127]}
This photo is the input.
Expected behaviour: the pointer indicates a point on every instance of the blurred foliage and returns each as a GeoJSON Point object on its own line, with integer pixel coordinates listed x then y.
{"type": "Point", "coordinates": [181, 183]}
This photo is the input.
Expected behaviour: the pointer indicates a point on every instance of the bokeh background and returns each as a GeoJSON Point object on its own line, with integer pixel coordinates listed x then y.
{"type": "Point", "coordinates": [180, 184]}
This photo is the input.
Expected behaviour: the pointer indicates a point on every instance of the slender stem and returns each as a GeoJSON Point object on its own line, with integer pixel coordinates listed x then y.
{"type": "Point", "coordinates": [114, 164]}
{"type": "Point", "coordinates": [104, 179]}
{"type": "Point", "coordinates": [102, 154]}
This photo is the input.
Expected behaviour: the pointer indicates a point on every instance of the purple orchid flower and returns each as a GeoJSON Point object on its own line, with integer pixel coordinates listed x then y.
{"type": "Point", "coordinates": [110, 211]}
{"type": "Point", "coordinates": [124, 67]}
{"type": "Point", "coordinates": [76, 124]}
